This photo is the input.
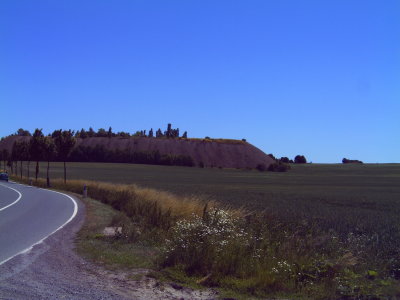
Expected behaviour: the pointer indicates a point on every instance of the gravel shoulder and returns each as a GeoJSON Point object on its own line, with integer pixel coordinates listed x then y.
{"type": "Point", "coordinates": [53, 270]}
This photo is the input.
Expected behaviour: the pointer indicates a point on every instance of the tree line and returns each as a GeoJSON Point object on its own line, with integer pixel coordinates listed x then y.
{"type": "Point", "coordinates": [298, 159]}
{"type": "Point", "coordinates": [56, 146]}
{"type": "Point", "coordinates": [101, 132]}
{"type": "Point", "coordinates": [60, 146]}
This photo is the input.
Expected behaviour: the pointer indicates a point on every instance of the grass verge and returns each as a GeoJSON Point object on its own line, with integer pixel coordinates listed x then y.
{"type": "Point", "coordinates": [110, 252]}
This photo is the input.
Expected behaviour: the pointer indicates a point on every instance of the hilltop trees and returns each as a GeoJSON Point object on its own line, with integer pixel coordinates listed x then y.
{"type": "Point", "coordinates": [171, 133]}
{"type": "Point", "coordinates": [91, 132]}
{"type": "Point", "coordinates": [64, 142]}
{"type": "Point", "coordinates": [23, 132]}
{"type": "Point", "coordinates": [159, 133]}
{"type": "Point", "coordinates": [101, 132]}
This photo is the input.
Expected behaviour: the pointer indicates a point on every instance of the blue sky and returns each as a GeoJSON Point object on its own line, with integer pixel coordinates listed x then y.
{"type": "Point", "coordinates": [318, 78]}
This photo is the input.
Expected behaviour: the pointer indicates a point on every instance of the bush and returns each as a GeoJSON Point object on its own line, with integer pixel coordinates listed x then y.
{"type": "Point", "coordinates": [284, 160]}
{"type": "Point", "coordinates": [278, 167]}
{"type": "Point", "coordinates": [351, 161]}
{"type": "Point", "coordinates": [300, 159]}
{"type": "Point", "coordinates": [261, 167]}
{"type": "Point", "coordinates": [214, 243]}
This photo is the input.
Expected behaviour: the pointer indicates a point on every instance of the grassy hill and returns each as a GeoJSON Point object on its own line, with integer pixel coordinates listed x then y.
{"type": "Point", "coordinates": [223, 153]}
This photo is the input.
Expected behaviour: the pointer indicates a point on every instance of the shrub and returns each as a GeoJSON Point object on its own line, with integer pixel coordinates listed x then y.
{"type": "Point", "coordinates": [278, 167]}
{"type": "Point", "coordinates": [351, 161]}
{"type": "Point", "coordinates": [261, 167]}
{"type": "Point", "coordinates": [214, 243]}
{"type": "Point", "coordinates": [300, 159]}
{"type": "Point", "coordinates": [284, 160]}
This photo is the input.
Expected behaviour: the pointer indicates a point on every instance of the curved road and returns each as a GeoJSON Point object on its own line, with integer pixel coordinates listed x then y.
{"type": "Point", "coordinates": [29, 215]}
{"type": "Point", "coordinates": [30, 219]}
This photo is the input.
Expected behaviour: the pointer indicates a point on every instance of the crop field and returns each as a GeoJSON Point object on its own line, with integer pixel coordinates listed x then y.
{"type": "Point", "coordinates": [339, 196]}
{"type": "Point", "coordinates": [317, 231]}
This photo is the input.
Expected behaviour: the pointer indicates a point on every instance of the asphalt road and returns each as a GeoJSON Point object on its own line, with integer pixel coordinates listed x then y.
{"type": "Point", "coordinates": [28, 215]}
{"type": "Point", "coordinates": [30, 219]}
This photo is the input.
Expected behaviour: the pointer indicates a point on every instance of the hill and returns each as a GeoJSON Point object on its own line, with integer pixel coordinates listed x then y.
{"type": "Point", "coordinates": [208, 152]}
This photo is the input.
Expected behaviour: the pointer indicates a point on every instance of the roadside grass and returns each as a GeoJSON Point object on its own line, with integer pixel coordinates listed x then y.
{"type": "Point", "coordinates": [341, 242]}
{"type": "Point", "coordinates": [109, 252]}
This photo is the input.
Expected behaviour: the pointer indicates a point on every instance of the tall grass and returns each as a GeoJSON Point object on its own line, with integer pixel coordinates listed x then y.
{"type": "Point", "coordinates": [143, 205]}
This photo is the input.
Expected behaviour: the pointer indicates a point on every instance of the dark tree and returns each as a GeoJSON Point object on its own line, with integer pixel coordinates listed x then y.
{"type": "Point", "coordinates": [284, 159]}
{"type": "Point", "coordinates": [184, 135]}
{"type": "Point", "coordinates": [159, 133]}
{"type": "Point", "coordinates": [4, 158]}
{"type": "Point", "coordinates": [278, 167]}
{"type": "Point", "coordinates": [300, 159]}
{"type": "Point", "coordinates": [64, 142]}
{"type": "Point", "coordinates": [23, 149]}
{"type": "Point", "coordinates": [23, 132]}
{"type": "Point", "coordinates": [15, 155]}
{"type": "Point", "coordinates": [49, 153]}
{"type": "Point", "coordinates": [83, 134]}
{"type": "Point", "coordinates": [261, 167]}
{"type": "Point", "coordinates": [151, 134]}
{"type": "Point", "coordinates": [168, 132]}
{"type": "Point", "coordinates": [137, 133]}
{"type": "Point", "coordinates": [91, 132]}
{"type": "Point", "coordinates": [1, 159]}
{"type": "Point", "coordinates": [101, 132]}
{"type": "Point", "coordinates": [123, 134]}
{"type": "Point", "coordinates": [109, 133]}
{"type": "Point", "coordinates": [36, 148]}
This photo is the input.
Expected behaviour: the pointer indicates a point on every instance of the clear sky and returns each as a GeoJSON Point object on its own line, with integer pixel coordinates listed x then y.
{"type": "Point", "coordinates": [318, 78]}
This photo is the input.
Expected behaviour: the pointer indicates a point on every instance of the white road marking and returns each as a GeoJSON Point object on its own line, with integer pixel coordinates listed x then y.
{"type": "Point", "coordinates": [19, 197]}
{"type": "Point", "coordinates": [37, 243]}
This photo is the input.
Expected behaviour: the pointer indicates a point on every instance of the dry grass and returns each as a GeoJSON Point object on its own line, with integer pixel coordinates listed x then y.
{"type": "Point", "coordinates": [158, 208]}
{"type": "Point", "coordinates": [222, 141]}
